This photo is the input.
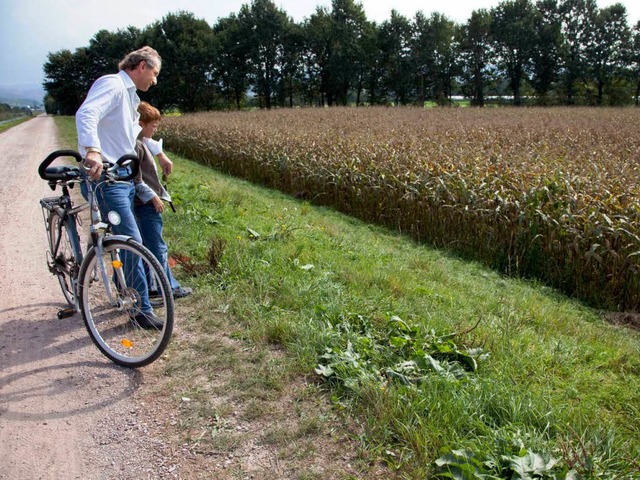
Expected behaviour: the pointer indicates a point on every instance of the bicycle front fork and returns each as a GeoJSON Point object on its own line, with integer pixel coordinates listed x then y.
{"type": "Point", "coordinates": [119, 294]}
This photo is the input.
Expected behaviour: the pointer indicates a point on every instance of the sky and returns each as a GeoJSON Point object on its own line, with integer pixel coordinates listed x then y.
{"type": "Point", "coordinates": [31, 29]}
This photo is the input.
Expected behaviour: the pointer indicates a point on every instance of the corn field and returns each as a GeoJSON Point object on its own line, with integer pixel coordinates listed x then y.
{"type": "Point", "coordinates": [551, 194]}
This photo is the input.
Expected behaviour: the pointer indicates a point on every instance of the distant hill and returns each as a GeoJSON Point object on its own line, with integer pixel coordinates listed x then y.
{"type": "Point", "coordinates": [27, 95]}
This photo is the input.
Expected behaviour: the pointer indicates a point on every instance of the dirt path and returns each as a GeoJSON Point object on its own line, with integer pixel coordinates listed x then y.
{"type": "Point", "coordinates": [66, 412]}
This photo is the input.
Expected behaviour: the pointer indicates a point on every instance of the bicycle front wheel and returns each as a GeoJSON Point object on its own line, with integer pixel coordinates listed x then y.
{"type": "Point", "coordinates": [113, 300]}
{"type": "Point", "coordinates": [64, 260]}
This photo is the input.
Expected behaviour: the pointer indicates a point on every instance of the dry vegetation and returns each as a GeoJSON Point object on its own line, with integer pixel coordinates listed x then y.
{"type": "Point", "coordinates": [546, 193]}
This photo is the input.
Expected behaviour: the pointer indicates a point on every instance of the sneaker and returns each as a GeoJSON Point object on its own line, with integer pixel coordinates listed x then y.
{"type": "Point", "coordinates": [181, 292]}
{"type": "Point", "coordinates": [154, 293]}
{"type": "Point", "coordinates": [148, 320]}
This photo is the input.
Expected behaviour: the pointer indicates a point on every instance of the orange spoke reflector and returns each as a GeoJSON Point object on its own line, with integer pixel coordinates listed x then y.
{"type": "Point", "coordinates": [126, 343]}
{"type": "Point", "coordinates": [116, 264]}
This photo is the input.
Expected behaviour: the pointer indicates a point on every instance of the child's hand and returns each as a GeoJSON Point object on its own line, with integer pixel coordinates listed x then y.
{"type": "Point", "coordinates": [165, 163]}
{"type": "Point", "coordinates": [158, 204]}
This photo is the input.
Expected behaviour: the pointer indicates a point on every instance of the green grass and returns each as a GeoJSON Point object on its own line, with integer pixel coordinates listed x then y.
{"type": "Point", "coordinates": [12, 123]}
{"type": "Point", "coordinates": [284, 288]}
{"type": "Point", "coordinates": [66, 131]}
{"type": "Point", "coordinates": [558, 379]}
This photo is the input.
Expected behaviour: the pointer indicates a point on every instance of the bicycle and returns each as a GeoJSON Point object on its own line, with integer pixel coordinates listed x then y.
{"type": "Point", "coordinates": [106, 282]}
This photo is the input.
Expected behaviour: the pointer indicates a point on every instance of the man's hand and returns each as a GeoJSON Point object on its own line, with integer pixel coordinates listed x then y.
{"type": "Point", "coordinates": [93, 163]}
{"type": "Point", "coordinates": [165, 163]}
{"type": "Point", "coordinates": [158, 204]}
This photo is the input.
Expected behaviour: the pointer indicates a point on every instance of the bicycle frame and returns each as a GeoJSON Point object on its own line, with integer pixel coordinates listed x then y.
{"type": "Point", "coordinates": [63, 206]}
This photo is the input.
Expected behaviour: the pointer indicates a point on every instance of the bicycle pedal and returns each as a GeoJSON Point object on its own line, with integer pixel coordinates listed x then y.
{"type": "Point", "coordinates": [66, 312]}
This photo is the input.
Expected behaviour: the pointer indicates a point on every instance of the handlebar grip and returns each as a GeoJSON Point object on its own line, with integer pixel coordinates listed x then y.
{"type": "Point", "coordinates": [128, 161]}
{"type": "Point", "coordinates": [42, 169]}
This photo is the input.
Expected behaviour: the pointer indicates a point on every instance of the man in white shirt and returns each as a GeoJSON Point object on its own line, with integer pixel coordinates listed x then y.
{"type": "Point", "coordinates": [107, 124]}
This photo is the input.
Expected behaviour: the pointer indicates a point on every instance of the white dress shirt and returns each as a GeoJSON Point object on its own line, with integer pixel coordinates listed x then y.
{"type": "Point", "coordinates": [108, 118]}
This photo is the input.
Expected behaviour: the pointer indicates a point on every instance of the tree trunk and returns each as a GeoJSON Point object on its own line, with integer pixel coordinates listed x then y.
{"type": "Point", "coordinates": [478, 88]}
{"type": "Point", "coordinates": [600, 92]}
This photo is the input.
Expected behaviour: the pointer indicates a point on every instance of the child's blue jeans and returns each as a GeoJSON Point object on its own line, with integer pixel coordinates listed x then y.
{"type": "Point", "coordinates": [151, 225]}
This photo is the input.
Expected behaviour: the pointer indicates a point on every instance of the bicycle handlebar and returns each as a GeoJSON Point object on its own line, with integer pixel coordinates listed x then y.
{"type": "Point", "coordinates": [58, 173]}
{"type": "Point", "coordinates": [71, 172]}
{"type": "Point", "coordinates": [127, 161]}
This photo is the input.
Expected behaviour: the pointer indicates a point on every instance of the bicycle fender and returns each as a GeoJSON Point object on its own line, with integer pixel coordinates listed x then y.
{"type": "Point", "coordinates": [121, 238]}
{"type": "Point", "coordinates": [113, 238]}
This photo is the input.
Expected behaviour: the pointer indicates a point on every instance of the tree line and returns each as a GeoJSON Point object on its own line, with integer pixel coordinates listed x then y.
{"type": "Point", "coordinates": [547, 52]}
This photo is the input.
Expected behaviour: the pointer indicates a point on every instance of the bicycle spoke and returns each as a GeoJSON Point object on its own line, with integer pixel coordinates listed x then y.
{"type": "Point", "coordinates": [118, 321]}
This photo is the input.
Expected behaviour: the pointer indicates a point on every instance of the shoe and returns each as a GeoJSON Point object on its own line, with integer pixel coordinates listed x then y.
{"type": "Point", "coordinates": [148, 320]}
{"type": "Point", "coordinates": [181, 292]}
{"type": "Point", "coordinates": [156, 301]}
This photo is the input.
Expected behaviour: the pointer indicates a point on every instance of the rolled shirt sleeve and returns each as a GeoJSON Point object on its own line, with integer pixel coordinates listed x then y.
{"type": "Point", "coordinates": [154, 146]}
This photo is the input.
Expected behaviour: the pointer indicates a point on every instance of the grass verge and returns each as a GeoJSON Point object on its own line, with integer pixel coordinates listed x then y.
{"type": "Point", "coordinates": [4, 126]}
{"type": "Point", "coordinates": [66, 132]}
{"type": "Point", "coordinates": [317, 346]}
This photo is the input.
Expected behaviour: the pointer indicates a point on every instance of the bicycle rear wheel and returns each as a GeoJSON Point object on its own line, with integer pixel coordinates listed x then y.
{"type": "Point", "coordinates": [65, 262]}
{"type": "Point", "coordinates": [111, 318]}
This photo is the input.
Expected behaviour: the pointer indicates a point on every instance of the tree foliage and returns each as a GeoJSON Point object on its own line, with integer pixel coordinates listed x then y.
{"type": "Point", "coordinates": [475, 56]}
{"type": "Point", "coordinates": [65, 81]}
{"type": "Point", "coordinates": [610, 51]}
{"type": "Point", "coordinates": [513, 32]}
{"type": "Point", "coordinates": [188, 48]}
{"type": "Point", "coordinates": [635, 61]}
{"type": "Point", "coordinates": [546, 48]}
{"type": "Point", "coordinates": [547, 52]}
{"type": "Point", "coordinates": [395, 43]}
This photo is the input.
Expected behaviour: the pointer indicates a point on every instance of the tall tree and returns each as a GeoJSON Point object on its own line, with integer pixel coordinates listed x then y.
{"type": "Point", "coordinates": [436, 50]}
{"type": "Point", "coordinates": [292, 74]}
{"type": "Point", "coordinates": [375, 66]}
{"type": "Point", "coordinates": [547, 48]}
{"type": "Point", "coordinates": [578, 22]}
{"type": "Point", "coordinates": [513, 31]}
{"type": "Point", "coordinates": [68, 77]}
{"type": "Point", "coordinates": [367, 54]}
{"type": "Point", "coordinates": [188, 48]}
{"type": "Point", "coordinates": [336, 41]}
{"type": "Point", "coordinates": [475, 55]}
{"type": "Point", "coordinates": [608, 55]}
{"type": "Point", "coordinates": [106, 49]}
{"type": "Point", "coordinates": [231, 66]}
{"type": "Point", "coordinates": [368, 72]}
{"type": "Point", "coordinates": [264, 26]}
{"type": "Point", "coordinates": [349, 24]}
{"type": "Point", "coordinates": [395, 43]}
{"type": "Point", "coordinates": [318, 32]}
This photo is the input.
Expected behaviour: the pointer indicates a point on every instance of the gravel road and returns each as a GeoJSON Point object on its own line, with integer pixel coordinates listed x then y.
{"type": "Point", "coordinates": [66, 412]}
